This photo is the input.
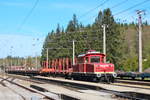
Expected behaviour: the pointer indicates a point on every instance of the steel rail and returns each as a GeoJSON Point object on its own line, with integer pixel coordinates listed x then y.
{"type": "Point", "coordinates": [62, 96]}
{"type": "Point", "coordinates": [21, 86]}
{"type": "Point", "coordinates": [85, 86]}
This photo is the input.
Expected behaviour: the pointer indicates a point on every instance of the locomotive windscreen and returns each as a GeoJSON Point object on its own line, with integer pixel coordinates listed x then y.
{"type": "Point", "coordinates": [95, 59]}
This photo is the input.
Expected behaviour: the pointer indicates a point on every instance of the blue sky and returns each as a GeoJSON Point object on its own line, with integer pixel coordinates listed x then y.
{"type": "Point", "coordinates": [47, 14]}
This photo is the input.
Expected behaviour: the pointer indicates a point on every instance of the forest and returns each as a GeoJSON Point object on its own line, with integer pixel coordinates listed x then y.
{"type": "Point", "coordinates": [121, 41]}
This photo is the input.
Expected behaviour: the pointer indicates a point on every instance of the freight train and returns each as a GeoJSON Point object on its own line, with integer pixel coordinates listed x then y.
{"type": "Point", "coordinates": [88, 66]}
{"type": "Point", "coordinates": [134, 75]}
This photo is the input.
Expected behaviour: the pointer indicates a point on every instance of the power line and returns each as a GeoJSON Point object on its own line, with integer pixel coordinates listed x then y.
{"type": "Point", "coordinates": [93, 8]}
{"type": "Point", "coordinates": [76, 41]}
{"type": "Point", "coordinates": [28, 15]}
{"type": "Point", "coordinates": [118, 4]}
{"type": "Point", "coordinates": [80, 31]}
{"type": "Point", "coordinates": [125, 10]}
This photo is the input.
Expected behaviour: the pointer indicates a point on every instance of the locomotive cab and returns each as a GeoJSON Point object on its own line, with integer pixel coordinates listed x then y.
{"type": "Point", "coordinates": [92, 66]}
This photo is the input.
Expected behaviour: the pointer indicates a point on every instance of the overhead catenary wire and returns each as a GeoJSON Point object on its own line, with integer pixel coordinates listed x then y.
{"type": "Point", "coordinates": [125, 10]}
{"type": "Point", "coordinates": [91, 40]}
{"type": "Point", "coordinates": [104, 2]}
{"type": "Point", "coordinates": [114, 6]}
{"type": "Point", "coordinates": [80, 31]}
{"type": "Point", "coordinates": [28, 15]}
{"type": "Point", "coordinates": [118, 4]}
{"type": "Point", "coordinates": [121, 11]}
{"type": "Point", "coordinates": [66, 48]}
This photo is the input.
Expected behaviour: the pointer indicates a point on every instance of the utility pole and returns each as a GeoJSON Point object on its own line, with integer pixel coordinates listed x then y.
{"type": "Point", "coordinates": [3, 62]}
{"type": "Point", "coordinates": [104, 41]}
{"type": "Point", "coordinates": [6, 62]}
{"type": "Point", "coordinates": [4, 65]}
{"type": "Point", "coordinates": [11, 55]}
{"type": "Point", "coordinates": [47, 58]}
{"type": "Point", "coordinates": [11, 62]}
{"type": "Point", "coordinates": [25, 62]}
{"type": "Point", "coordinates": [140, 38]}
{"type": "Point", "coordinates": [18, 63]}
{"type": "Point", "coordinates": [73, 52]}
{"type": "Point", "coordinates": [36, 62]}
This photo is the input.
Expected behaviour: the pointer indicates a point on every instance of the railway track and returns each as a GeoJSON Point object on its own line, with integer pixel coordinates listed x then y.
{"type": "Point", "coordinates": [136, 79]}
{"type": "Point", "coordinates": [128, 95]}
{"type": "Point", "coordinates": [14, 91]}
{"type": "Point", "coordinates": [46, 95]}
{"type": "Point", "coordinates": [75, 89]}
{"type": "Point", "coordinates": [19, 88]}
{"type": "Point", "coordinates": [77, 85]}
{"type": "Point", "coordinates": [127, 83]}
{"type": "Point", "coordinates": [144, 84]}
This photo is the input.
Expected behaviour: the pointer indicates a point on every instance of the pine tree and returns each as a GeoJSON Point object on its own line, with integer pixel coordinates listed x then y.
{"type": "Point", "coordinates": [113, 38]}
{"type": "Point", "coordinates": [58, 29]}
{"type": "Point", "coordinates": [89, 39]}
{"type": "Point", "coordinates": [73, 24]}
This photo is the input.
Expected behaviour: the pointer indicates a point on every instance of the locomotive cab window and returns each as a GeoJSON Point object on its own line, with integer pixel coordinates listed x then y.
{"type": "Point", "coordinates": [95, 59]}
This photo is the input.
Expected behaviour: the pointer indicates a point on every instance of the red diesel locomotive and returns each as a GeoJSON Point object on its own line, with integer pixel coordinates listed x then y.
{"type": "Point", "coordinates": [92, 66]}
{"type": "Point", "coordinates": [88, 66]}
